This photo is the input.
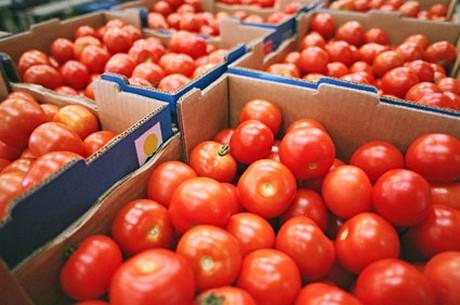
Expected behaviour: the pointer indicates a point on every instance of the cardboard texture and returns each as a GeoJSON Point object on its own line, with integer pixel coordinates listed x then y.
{"type": "Point", "coordinates": [46, 210]}
{"type": "Point", "coordinates": [39, 273]}
{"type": "Point", "coordinates": [11, 291]}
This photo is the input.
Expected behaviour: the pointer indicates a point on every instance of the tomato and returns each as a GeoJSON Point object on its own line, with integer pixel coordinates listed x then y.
{"type": "Point", "coordinates": [79, 118]}
{"type": "Point", "coordinates": [365, 238]}
{"type": "Point", "coordinates": [9, 152]}
{"type": "Point", "coordinates": [120, 63]}
{"type": "Point", "coordinates": [31, 58]}
{"type": "Point", "coordinates": [85, 30]}
{"type": "Point", "coordinates": [165, 178]}
{"type": "Point", "coordinates": [146, 50]}
{"type": "Point", "coordinates": [355, 195]}
{"type": "Point", "coordinates": [225, 295]}
{"type": "Point", "coordinates": [96, 140]}
{"type": "Point", "coordinates": [177, 63]}
{"type": "Point", "coordinates": [224, 136]}
{"type": "Point", "coordinates": [262, 110]}
{"type": "Point", "coordinates": [455, 98]}
{"type": "Point", "coordinates": [437, 99]}
{"type": "Point", "coordinates": [340, 51]}
{"type": "Point", "coordinates": [213, 253]}
{"type": "Point", "coordinates": [62, 49]}
{"type": "Point", "coordinates": [304, 123]}
{"type": "Point", "coordinates": [435, 156]}
{"type": "Point", "coordinates": [252, 231]}
{"type": "Point", "coordinates": [402, 196]}
{"type": "Point", "coordinates": [410, 8]}
{"type": "Point", "coordinates": [312, 39]}
{"type": "Point", "coordinates": [46, 165]}
{"type": "Point", "coordinates": [376, 35]}
{"type": "Point", "coordinates": [199, 200]}
{"type": "Point", "coordinates": [20, 164]}
{"type": "Point", "coordinates": [410, 51]}
{"type": "Point", "coordinates": [377, 157]}
{"type": "Point", "coordinates": [352, 32]}
{"type": "Point", "coordinates": [10, 187]}
{"type": "Point", "coordinates": [155, 276]}
{"type": "Point", "coordinates": [232, 191]}
{"type": "Point", "coordinates": [323, 293]}
{"type": "Point", "coordinates": [313, 60]}
{"type": "Point", "coordinates": [270, 276]}
{"type": "Point", "coordinates": [307, 152]}
{"type": "Point", "coordinates": [138, 81]}
{"type": "Point", "coordinates": [308, 203]}
{"type": "Point", "coordinates": [447, 193]}
{"type": "Point", "coordinates": [116, 40]}
{"type": "Point", "coordinates": [200, 70]}
{"type": "Point", "coordinates": [66, 90]}
{"type": "Point", "coordinates": [436, 233]}
{"type": "Point", "coordinates": [419, 89]}
{"type": "Point", "coordinates": [393, 281]}
{"type": "Point", "coordinates": [188, 43]}
{"type": "Point", "coordinates": [252, 140]}
{"type": "Point", "coordinates": [157, 21]}
{"type": "Point", "coordinates": [449, 84]}
{"type": "Point", "coordinates": [95, 58]}
{"type": "Point", "coordinates": [324, 24]}
{"type": "Point", "coordinates": [422, 68]}
{"type": "Point", "coordinates": [441, 52]}
{"type": "Point", "coordinates": [45, 75]}
{"type": "Point", "coordinates": [359, 77]}
{"type": "Point", "coordinates": [369, 51]}
{"type": "Point", "coordinates": [266, 188]}
{"type": "Point", "coordinates": [443, 273]}
{"type": "Point", "coordinates": [363, 66]}
{"type": "Point", "coordinates": [173, 82]}
{"type": "Point", "coordinates": [421, 39]}
{"type": "Point", "coordinates": [87, 272]}
{"type": "Point", "coordinates": [82, 42]}
{"type": "Point", "coordinates": [336, 69]}
{"type": "Point", "coordinates": [386, 61]}
{"type": "Point", "coordinates": [212, 159]}
{"type": "Point", "coordinates": [149, 71]}
{"type": "Point", "coordinates": [163, 7]}
{"type": "Point", "coordinates": [19, 118]}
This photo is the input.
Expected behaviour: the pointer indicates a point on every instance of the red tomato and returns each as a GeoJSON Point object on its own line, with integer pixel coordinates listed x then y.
{"type": "Point", "coordinates": [449, 84]}
{"type": "Point", "coordinates": [226, 295]}
{"type": "Point", "coordinates": [270, 276]}
{"type": "Point", "coordinates": [435, 156]}
{"type": "Point", "coordinates": [446, 193]}
{"type": "Point", "coordinates": [323, 293]}
{"type": "Point", "coordinates": [85, 30]}
{"type": "Point", "coordinates": [173, 82]}
{"type": "Point", "coordinates": [232, 191]}
{"type": "Point", "coordinates": [95, 58]}
{"type": "Point", "coordinates": [363, 66]}
{"type": "Point", "coordinates": [19, 118]}
{"type": "Point", "coordinates": [393, 281]}
{"type": "Point", "coordinates": [386, 61]}
{"type": "Point", "coordinates": [10, 187]}
{"type": "Point", "coordinates": [149, 71]}
{"type": "Point", "coordinates": [213, 253]}
{"type": "Point", "coordinates": [262, 110]}
{"type": "Point", "coordinates": [157, 21]}
{"type": "Point", "coordinates": [441, 52]}
{"type": "Point", "coordinates": [376, 35]}
{"type": "Point", "coordinates": [419, 89]}
{"type": "Point", "coordinates": [9, 152]}
{"type": "Point", "coordinates": [155, 276]}
{"type": "Point", "coordinates": [252, 231]}
{"type": "Point", "coordinates": [199, 200]}
{"type": "Point", "coordinates": [20, 164]}
{"type": "Point", "coordinates": [147, 50]}
{"type": "Point", "coordinates": [352, 32]}
{"type": "Point", "coordinates": [438, 100]}
{"type": "Point", "coordinates": [252, 140]}
{"type": "Point", "coordinates": [82, 42]}
{"type": "Point", "coordinates": [443, 273]}
{"type": "Point", "coordinates": [163, 7]}
{"type": "Point", "coordinates": [377, 157]}
{"type": "Point", "coordinates": [223, 136]}
{"type": "Point", "coordinates": [336, 69]}
{"type": "Point", "coordinates": [324, 24]}
{"type": "Point", "coordinates": [436, 233]}
{"type": "Point", "coordinates": [284, 69]}
{"type": "Point", "coordinates": [365, 238]}
{"type": "Point", "coordinates": [300, 237]}
{"type": "Point", "coordinates": [424, 70]}
{"type": "Point", "coordinates": [165, 178]}
{"type": "Point", "coordinates": [421, 39]}
{"type": "Point", "coordinates": [96, 140]}
{"type": "Point", "coordinates": [340, 51]}
{"type": "Point", "coordinates": [410, 51]}
{"type": "Point", "coordinates": [116, 40]}
{"type": "Point", "coordinates": [75, 74]}
{"type": "Point", "coordinates": [369, 51]}
{"type": "Point", "coordinates": [305, 123]}
{"type": "Point", "coordinates": [120, 63]}
{"type": "Point", "coordinates": [46, 165]}
{"type": "Point", "coordinates": [402, 196]}
{"type": "Point", "coordinates": [313, 60]}
{"type": "Point", "coordinates": [177, 63]}
{"type": "Point", "coordinates": [312, 39]}
{"type": "Point", "coordinates": [87, 272]}
{"type": "Point", "coordinates": [410, 8]}
{"type": "Point", "coordinates": [266, 188]}
{"type": "Point", "coordinates": [31, 58]}
{"type": "Point", "coordinates": [66, 90]}
{"type": "Point", "coordinates": [188, 43]}
{"type": "Point", "coordinates": [355, 194]}
{"type": "Point", "coordinates": [47, 76]}
{"type": "Point", "coordinates": [307, 152]}
{"type": "Point", "coordinates": [62, 49]}
{"type": "Point", "coordinates": [79, 118]}
{"type": "Point", "coordinates": [308, 203]}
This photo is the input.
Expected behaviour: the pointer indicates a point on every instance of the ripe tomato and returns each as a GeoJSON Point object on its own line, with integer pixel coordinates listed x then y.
{"type": "Point", "coordinates": [365, 238]}
{"type": "Point", "coordinates": [177, 63]}
{"type": "Point", "coordinates": [95, 58]}
{"type": "Point", "coordinates": [46, 165]}
{"type": "Point", "coordinates": [199, 200]}
{"type": "Point", "coordinates": [340, 50]}
{"type": "Point", "coordinates": [147, 50]}
{"type": "Point", "coordinates": [85, 30]}
{"type": "Point", "coordinates": [62, 49]}
{"type": "Point", "coordinates": [270, 276]}
{"type": "Point", "coordinates": [422, 68]}
{"type": "Point", "coordinates": [307, 152]}
{"type": "Point", "coordinates": [164, 180]}
{"type": "Point", "coordinates": [252, 140]}
{"type": "Point", "coordinates": [82, 42]}
{"type": "Point", "coordinates": [441, 52]}
{"type": "Point", "coordinates": [45, 75]}
{"type": "Point", "coordinates": [443, 273]}
{"type": "Point", "coordinates": [10, 187]}
{"type": "Point", "coordinates": [304, 123]}
{"type": "Point", "coordinates": [96, 140]}
{"type": "Point", "coordinates": [369, 51]}
{"type": "Point", "coordinates": [9, 152]}
{"type": "Point", "coordinates": [188, 43]}
{"type": "Point", "coordinates": [300, 237]}
{"type": "Point", "coordinates": [266, 188]}
{"type": "Point", "coordinates": [398, 81]}
{"type": "Point", "coordinates": [155, 276]}
{"type": "Point", "coordinates": [336, 69]}
{"type": "Point", "coordinates": [173, 82]}
{"type": "Point", "coordinates": [116, 40]}
{"type": "Point", "coordinates": [31, 58]}
{"type": "Point", "coordinates": [377, 157]}
{"type": "Point", "coordinates": [324, 24]}
{"type": "Point", "coordinates": [212, 159]}
{"type": "Point", "coordinates": [419, 89]}
{"type": "Point", "coordinates": [435, 156]}
{"type": "Point", "coordinates": [376, 35]}
{"type": "Point", "coordinates": [142, 224]}
{"type": "Point", "coordinates": [158, 21]}
{"type": "Point", "coordinates": [213, 253]}
{"type": "Point", "coordinates": [252, 231]}
{"type": "Point", "coordinates": [313, 60]}
{"type": "Point", "coordinates": [232, 191]}
{"type": "Point", "coordinates": [402, 196]}
{"type": "Point", "coordinates": [79, 118]}
{"type": "Point", "coordinates": [75, 74]}
{"type": "Point", "coordinates": [438, 100]}
{"type": "Point", "coordinates": [386, 61]}
{"type": "Point", "coordinates": [262, 110]}
{"type": "Point", "coordinates": [312, 39]}
{"type": "Point", "coordinates": [149, 71]}
{"type": "Point", "coordinates": [446, 193]}
{"type": "Point", "coordinates": [410, 51]}
{"type": "Point", "coordinates": [87, 272]}
{"type": "Point", "coordinates": [20, 164]}
{"type": "Point", "coordinates": [308, 203]}
{"type": "Point", "coordinates": [19, 118]}
{"type": "Point", "coordinates": [393, 281]}
{"type": "Point", "coordinates": [120, 63]}
{"type": "Point", "coordinates": [355, 194]}
{"type": "Point", "coordinates": [352, 32]}
{"type": "Point", "coordinates": [226, 295]}
{"type": "Point", "coordinates": [223, 136]}
{"type": "Point", "coordinates": [323, 293]}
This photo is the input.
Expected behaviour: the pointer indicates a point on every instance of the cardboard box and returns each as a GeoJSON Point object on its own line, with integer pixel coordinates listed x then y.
{"type": "Point", "coordinates": [44, 211]}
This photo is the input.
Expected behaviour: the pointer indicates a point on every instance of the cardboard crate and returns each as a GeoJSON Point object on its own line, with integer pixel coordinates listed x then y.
{"type": "Point", "coordinates": [44, 211]}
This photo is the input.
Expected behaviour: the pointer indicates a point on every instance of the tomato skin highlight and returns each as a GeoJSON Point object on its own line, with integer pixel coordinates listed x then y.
{"type": "Point", "coordinates": [323, 293]}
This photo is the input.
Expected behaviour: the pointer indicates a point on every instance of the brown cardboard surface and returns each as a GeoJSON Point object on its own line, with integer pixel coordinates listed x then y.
{"type": "Point", "coordinates": [39, 274]}
{"type": "Point", "coordinates": [11, 291]}
{"type": "Point", "coordinates": [352, 117]}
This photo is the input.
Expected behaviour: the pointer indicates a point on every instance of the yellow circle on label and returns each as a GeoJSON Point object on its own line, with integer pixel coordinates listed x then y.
{"type": "Point", "coordinates": [150, 144]}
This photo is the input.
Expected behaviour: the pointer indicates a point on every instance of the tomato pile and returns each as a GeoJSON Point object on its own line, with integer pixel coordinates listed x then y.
{"type": "Point", "coordinates": [38, 139]}
{"type": "Point", "coordinates": [117, 47]}
{"type": "Point", "coordinates": [260, 217]}
{"type": "Point", "coordinates": [187, 15]}
{"type": "Point", "coordinates": [409, 8]}
{"type": "Point", "coordinates": [413, 70]}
